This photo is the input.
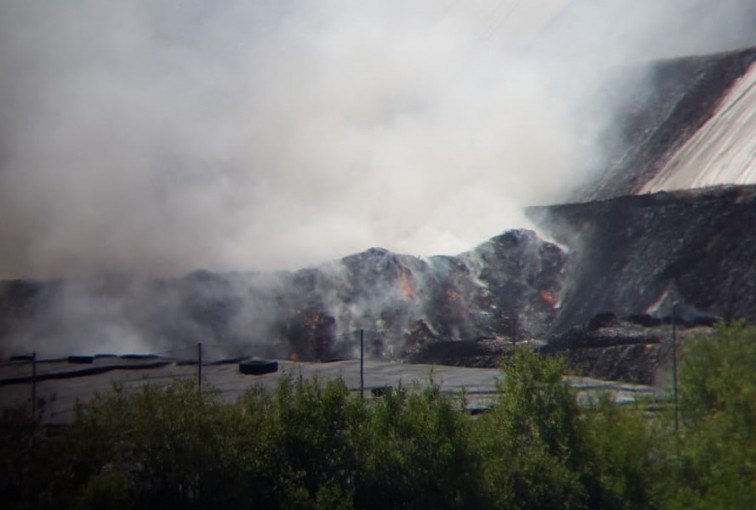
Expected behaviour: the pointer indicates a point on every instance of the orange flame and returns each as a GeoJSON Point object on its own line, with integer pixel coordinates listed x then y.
{"type": "Point", "coordinates": [314, 320]}
{"type": "Point", "coordinates": [451, 295]}
{"type": "Point", "coordinates": [549, 298]}
{"type": "Point", "coordinates": [407, 290]}
{"type": "Point", "coordinates": [293, 357]}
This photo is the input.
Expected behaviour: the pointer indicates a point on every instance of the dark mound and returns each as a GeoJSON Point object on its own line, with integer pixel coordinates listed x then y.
{"type": "Point", "coordinates": [638, 255]}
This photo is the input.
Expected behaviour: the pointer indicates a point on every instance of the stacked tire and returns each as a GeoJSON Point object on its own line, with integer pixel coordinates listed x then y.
{"type": "Point", "coordinates": [258, 367]}
{"type": "Point", "coordinates": [80, 360]}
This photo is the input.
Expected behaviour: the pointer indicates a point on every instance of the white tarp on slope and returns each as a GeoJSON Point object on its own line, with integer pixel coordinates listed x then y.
{"type": "Point", "coordinates": [723, 151]}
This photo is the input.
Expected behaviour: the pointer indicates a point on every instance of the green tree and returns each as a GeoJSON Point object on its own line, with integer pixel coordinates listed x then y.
{"type": "Point", "coordinates": [531, 440]}
{"type": "Point", "coordinates": [416, 452]}
{"type": "Point", "coordinates": [312, 445]}
{"type": "Point", "coordinates": [717, 439]}
{"type": "Point", "coordinates": [543, 449]}
{"type": "Point", "coordinates": [628, 460]}
{"type": "Point", "coordinates": [153, 447]}
{"type": "Point", "coordinates": [314, 427]}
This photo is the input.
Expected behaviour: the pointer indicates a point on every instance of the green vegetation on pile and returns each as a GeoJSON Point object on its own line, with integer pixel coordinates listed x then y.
{"type": "Point", "coordinates": [314, 445]}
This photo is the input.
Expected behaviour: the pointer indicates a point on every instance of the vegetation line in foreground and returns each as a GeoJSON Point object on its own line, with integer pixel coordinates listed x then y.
{"type": "Point", "coordinates": [313, 445]}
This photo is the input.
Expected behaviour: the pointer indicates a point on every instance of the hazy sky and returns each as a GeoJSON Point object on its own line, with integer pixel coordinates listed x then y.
{"type": "Point", "coordinates": [164, 136]}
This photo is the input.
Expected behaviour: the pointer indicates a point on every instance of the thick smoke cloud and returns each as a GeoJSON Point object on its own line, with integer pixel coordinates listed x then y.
{"type": "Point", "coordinates": [161, 137]}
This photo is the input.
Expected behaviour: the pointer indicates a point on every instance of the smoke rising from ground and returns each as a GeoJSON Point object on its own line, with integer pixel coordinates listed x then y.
{"type": "Point", "coordinates": [161, 137]}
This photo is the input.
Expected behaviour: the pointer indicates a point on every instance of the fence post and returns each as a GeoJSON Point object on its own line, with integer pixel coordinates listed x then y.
{"type": "Point", "coordinates": [362, 364]}
{"type": "Point", "coordinates": [34, 386]}
{"type": "Point", "coordinates": [514, 332]}
{"type": "Point", "coordinates": [674, 364]}
{"type": "Point", "coordinates": [199, 367]}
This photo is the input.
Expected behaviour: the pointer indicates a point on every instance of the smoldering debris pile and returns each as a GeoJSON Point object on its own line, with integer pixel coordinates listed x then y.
{"type": "Point", "coordinates": [622, 255]}
{"type": "Point", "coordinates": [399, 302]}
{"type": "Point", "coordinates": [633, 256]}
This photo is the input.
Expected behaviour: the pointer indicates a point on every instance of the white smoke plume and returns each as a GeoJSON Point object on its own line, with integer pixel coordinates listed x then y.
{"type": "Point", "coordinates": [158, 137]}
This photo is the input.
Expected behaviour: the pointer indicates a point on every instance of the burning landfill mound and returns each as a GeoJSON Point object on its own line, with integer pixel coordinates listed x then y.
{"type": "Point", "coordinates": [400, 302]}
{"type": "Point", "coordinates": [670, 221]}
{"type": "Point", "coordinates": [629, 260]}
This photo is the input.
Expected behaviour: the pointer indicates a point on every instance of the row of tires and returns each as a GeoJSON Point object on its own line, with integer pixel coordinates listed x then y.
{"type": "Point", "coordinates": [249, 367]}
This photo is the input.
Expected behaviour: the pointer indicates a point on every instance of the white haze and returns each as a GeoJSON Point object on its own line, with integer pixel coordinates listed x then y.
{"type": "Point", "coordinates": [159, 137]}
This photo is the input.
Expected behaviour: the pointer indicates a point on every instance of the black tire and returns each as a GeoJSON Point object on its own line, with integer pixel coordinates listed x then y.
{"type": "Point", "coordinates": [139, 356]}
{"type": "Point", "coordinates": [382, 391]}
{"type": "Point", "coordinates": [80, 360]}
{"type": "Point", "coordinates": [258, 367]}
{"type": "Point", "coordinates": [21, 357]}
{"type": "Point", "coordinates": [226, 361]}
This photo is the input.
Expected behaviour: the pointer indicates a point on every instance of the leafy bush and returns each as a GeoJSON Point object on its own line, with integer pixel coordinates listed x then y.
{"type": "Point", "coordinates": [312, 445]}
{"type": "Point", "coordinates": [530, 440]}
{"type": "Point", "coordinates": [416, 453]}
{"type": "Point", "coordinates": [716, 465]}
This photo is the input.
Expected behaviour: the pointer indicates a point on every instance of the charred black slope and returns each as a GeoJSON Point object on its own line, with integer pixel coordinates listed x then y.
{"type": "Point", "coordinates": [640, 254]}
{"type": "Point", "coordinates": [402, 302]}
{"type": "Point", "coordinates": [682, 95]}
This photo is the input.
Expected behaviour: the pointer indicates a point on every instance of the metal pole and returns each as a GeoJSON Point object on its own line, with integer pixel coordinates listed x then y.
{"type": "Point", "coordinates": [514, 332]}
{"type": "Point", "coordinates": [199, 367]}
{"type": "Point", "coordinates": [34, 386]}
{"type": "Point", "coordinates": [362, 364]}
{"type": "Point", "coordinates": [674, 364]}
